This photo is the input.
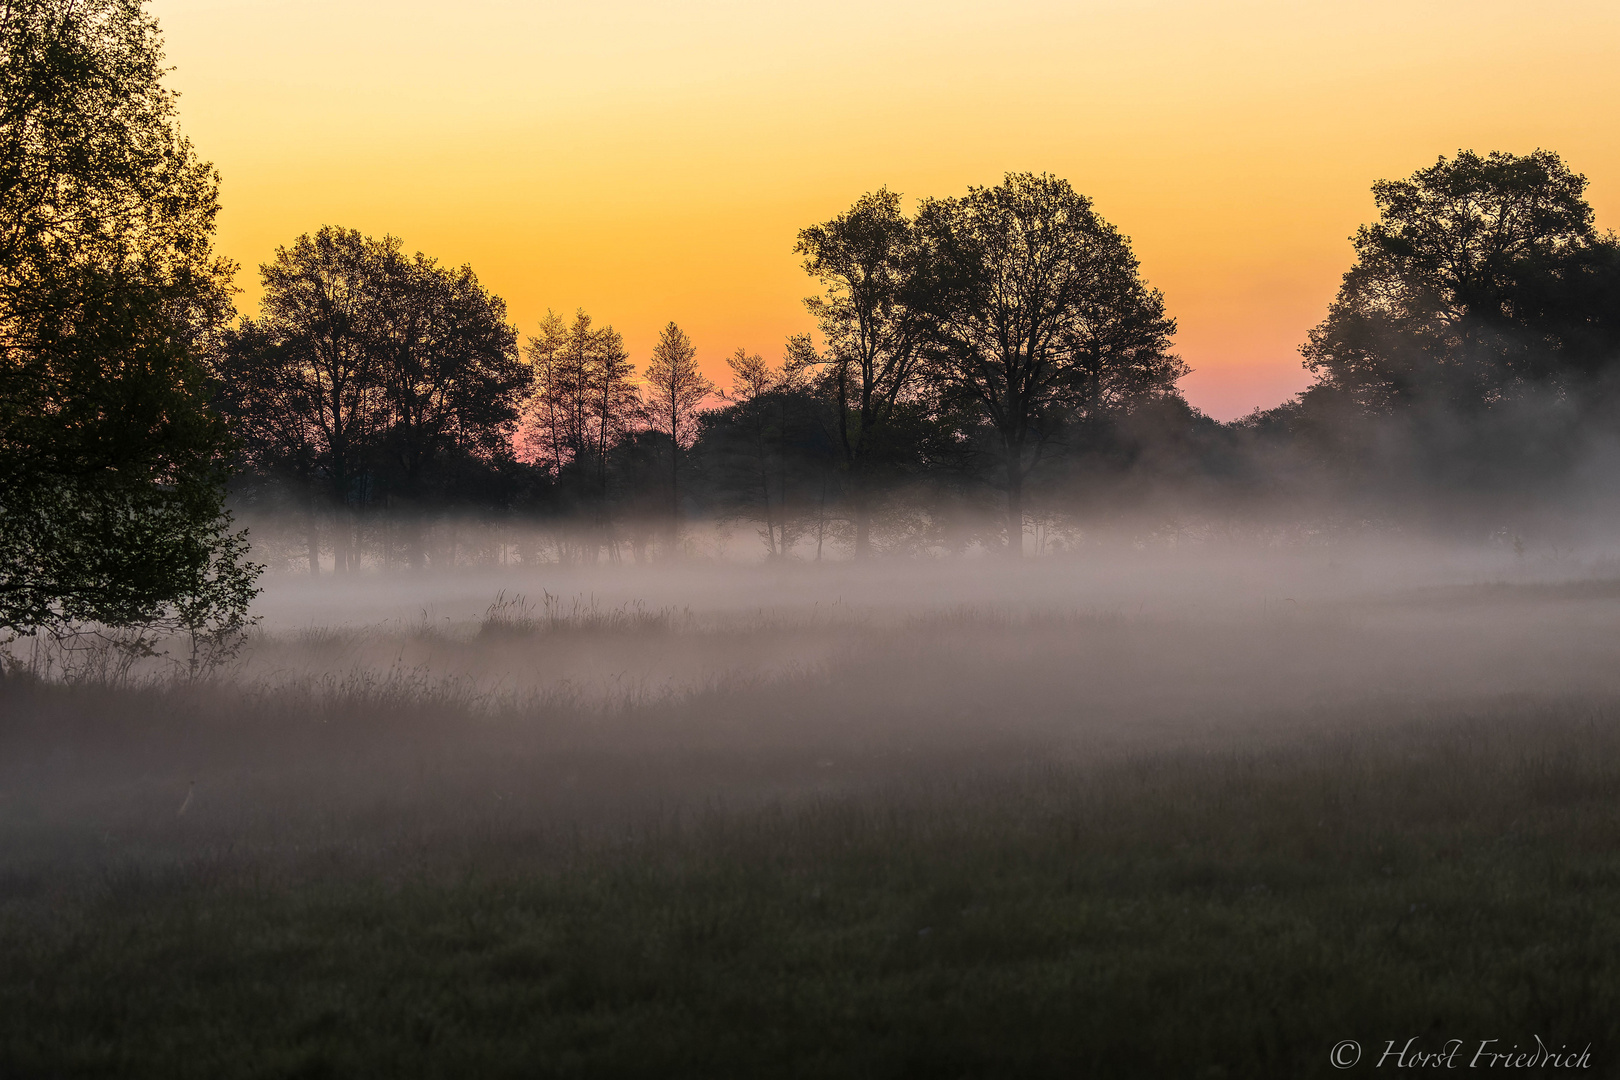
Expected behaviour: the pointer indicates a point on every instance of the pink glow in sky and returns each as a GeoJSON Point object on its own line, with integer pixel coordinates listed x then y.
{"type": "Point", "coordinates": [654, 161]}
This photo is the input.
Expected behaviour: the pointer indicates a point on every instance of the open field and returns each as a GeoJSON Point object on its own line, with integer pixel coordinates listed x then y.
{"type": "Point", "coordinates": [1162, 817]}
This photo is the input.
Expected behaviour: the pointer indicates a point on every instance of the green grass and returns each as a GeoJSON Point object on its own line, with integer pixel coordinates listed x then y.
{"type": "Point", "coordinates": [1024, 912]}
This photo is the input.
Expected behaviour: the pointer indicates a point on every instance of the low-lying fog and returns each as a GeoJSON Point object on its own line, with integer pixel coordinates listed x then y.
{"type": "Point", "coordinates": [1316, 791]}
{"type": "Point", "coordinates": [399, 705]}
{"type": "Point", "coordinates": [1131, 637]}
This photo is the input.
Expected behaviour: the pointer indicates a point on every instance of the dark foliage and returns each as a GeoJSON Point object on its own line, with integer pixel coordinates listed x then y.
{"type": "Point", "coordinates": [1467, 367]}
{"type": "Point", "coordinates": [873, 318]}
{"type": "Point", "coordinates": [1483, 280]}
{"type": "Point", "coordinates": [990, 365]}
{"type": "Point", "coordinates": [373, 378]}
{"type": "Point", "coordinates": [1039, 317]}
{"type": "Point", "coordinates": [111, 463]}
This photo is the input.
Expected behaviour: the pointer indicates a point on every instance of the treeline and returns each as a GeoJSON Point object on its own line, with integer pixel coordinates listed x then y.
{"type": "Point", "coordinates": [987, 365]}
{"type": "Point", "coordinates": [963, 348]}
{"type": "Point", "coordinates": [988, 370]}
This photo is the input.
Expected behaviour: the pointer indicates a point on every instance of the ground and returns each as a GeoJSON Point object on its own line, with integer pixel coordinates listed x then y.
{"type": "Point", "coordinates": [792, 875]}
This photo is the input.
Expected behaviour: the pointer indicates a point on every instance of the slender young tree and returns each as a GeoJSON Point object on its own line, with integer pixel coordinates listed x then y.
{"type": "Point", "coordinates": [582, 398]}
{"type": "Point", "coordinates": [615, 408]}
{"type": "Point", "coordinates": [751, 376]}
{"type": "Point", "coordinates": [1037, 309]}
{"type": "Point", "coordinates": [582, 405]}
{"type": "Point", "coordinates": [675, 388]}
{"type": "Point", "coordinates": [550, 433]}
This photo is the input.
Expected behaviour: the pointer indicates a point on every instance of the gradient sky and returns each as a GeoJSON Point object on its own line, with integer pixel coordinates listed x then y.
{"type": "Point", "coordinates": [653, 161]}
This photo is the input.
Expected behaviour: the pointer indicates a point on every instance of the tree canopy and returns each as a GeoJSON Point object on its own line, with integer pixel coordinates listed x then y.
{"type": "Point", "coordinates": [675, 388]}
{"type": "Point", "coordinates": [1037, 312]}
{"type": "Point", "coordinates": [870, 266]}
{"type": "Point", "coordinates": [111, 461]}
{"type": "Point", "coordinates": [370, 367]}
{"type": "Point", "coordinates": [1483, 278]}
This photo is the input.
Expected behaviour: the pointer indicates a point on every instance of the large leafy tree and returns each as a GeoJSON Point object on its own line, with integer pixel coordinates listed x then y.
{"type": "Point", "coordinates": [367, 366]}
{"type": "Point", "coordinates": [870, 265]}
{"type": "Point", "coordinates": [300, 381]}
{"type": "Point", "coordinates": [1483, 278]}
{"type": "Point", "coordinates": [261, 390]}
{"type": "Point", "coordinates": [1038, 312]}
{"type": "Point", "coordinates": [448, 363]}
{"type": "Point", "coordinates": [111, 461]}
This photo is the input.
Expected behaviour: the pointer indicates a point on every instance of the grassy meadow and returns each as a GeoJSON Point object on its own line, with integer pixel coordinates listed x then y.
{"type": "Point", "coordinates": [1055, 836]}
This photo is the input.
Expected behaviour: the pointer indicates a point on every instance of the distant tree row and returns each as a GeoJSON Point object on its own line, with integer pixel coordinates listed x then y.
{"type": "Point", "coordinates": [965, 351]}
{"type": "Point", "coordinates": [983, 365]}
{"type": "Point", "coordinates": [969, 337]}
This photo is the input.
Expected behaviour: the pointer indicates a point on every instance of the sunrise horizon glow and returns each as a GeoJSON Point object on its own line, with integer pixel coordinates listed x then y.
{"type": "Point", "coordinates": [650, 162]}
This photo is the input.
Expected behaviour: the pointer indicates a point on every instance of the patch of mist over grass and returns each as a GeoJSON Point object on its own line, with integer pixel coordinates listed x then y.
{"type": "Point", "coordinates": [515, 614]}
{"type": "Point", "coordinates": [1164, 816]}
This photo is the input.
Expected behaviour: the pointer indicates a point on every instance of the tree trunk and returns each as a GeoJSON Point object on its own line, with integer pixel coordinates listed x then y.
{"type": "Point", "coordinates": [821, 516]}
{"type": "Point", "coordinates": [765, 491]}
{"type": "Point", "coordinates": [863, 522]}
{"type": "Point", "coordinates": [674, 493]}
{"type": "Point", "coordinates": [1015, 502]}
{"type": "Point", "coordinates": [314, 544]}
{"type": "Point", "coordinates": [340, 523]}
{"type": "Point", "coordinates": [340, 500]}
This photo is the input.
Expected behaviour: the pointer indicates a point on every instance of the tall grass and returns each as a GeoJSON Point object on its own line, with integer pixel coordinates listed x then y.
{"type": "Point", "coordinates": [515, 614]}
{"type": "Point", "coordinates": [973, 842]}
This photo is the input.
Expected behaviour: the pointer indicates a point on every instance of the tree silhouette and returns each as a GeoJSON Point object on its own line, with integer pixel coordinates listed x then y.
{"type": "Point", "coordinates": [318, 296]}
{"type": "Point", "coordinates": [868, 261]}
{"type": "Point", "coordinates": [260, 389]}
{"type": "Point", "coordinates": [112, 465]}
{"type": "Point", "coordinates": [1010, 327]}
{"type": "Point", "coordinates": [367, 370]}
{"type": "Point", "coordinates": [583, 403]}
{"type": "Point", "coordinates": [1483, 278]}
{"type": "Point", "coordinates": [1037, 309]}
{"type": "Point", "coordinates": [448, 364]}
{"type": "Point", "coordinates": [675, 389]}
{"type": "Point", "coordinates": [768, 446]}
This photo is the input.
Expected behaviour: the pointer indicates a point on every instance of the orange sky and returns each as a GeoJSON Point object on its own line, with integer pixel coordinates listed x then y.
{"type": "Point", "coordinates": [653, 161]}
